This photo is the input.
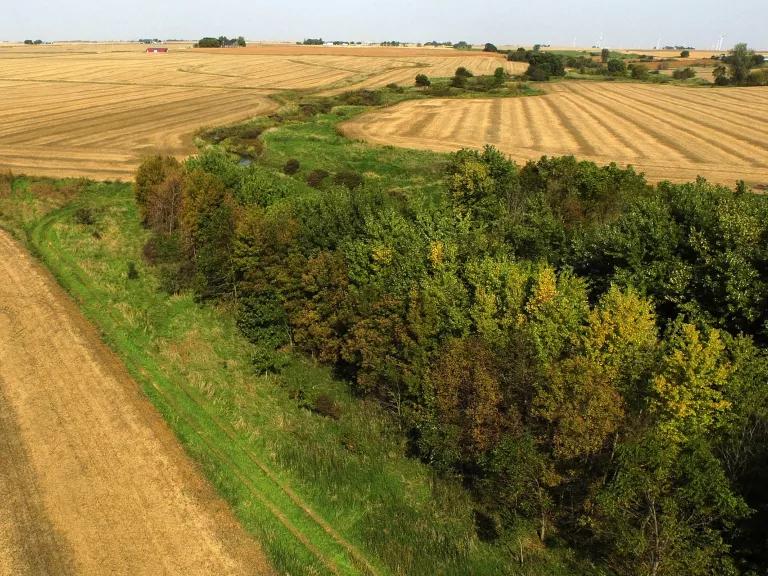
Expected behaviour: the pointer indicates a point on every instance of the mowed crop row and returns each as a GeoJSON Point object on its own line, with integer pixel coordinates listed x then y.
{"type": "Point", "coordinates": [94, 110]}
{"type": "Point", "coordinates": [103, 131]}
{"type": "Point", "coordinates": [668, 132]}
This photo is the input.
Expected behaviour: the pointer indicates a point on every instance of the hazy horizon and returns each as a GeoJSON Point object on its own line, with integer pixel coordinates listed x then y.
{"type": "Point", "coordinates": [560, 22]}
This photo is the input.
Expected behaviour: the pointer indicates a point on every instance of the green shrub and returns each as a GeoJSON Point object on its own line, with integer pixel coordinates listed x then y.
{"type": "Point", "coordinates": [316, 178]}
{"type": "Point", "coordinates": [85, 216]}
{"type": "Point", "coordinates": [361, 98]}
{"type": "Point", "coordinates": [349, 179]}
{"type": "Point", "coordinates": [133, 273]}
{"type": "Point", "coordinates": [266, 360]}
{"type": "Point", "coordinates": [684, 74]}
{"type": "Point", "coordinates": [291, 167]}
{"type": "Point", "coordinates": [616, 67]}
{"type": "Point", "coordinates": [326, 406]}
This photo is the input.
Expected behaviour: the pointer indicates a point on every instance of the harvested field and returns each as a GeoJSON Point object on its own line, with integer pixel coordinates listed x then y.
{"type": "Point", "coordinates": [91, 479]}
{"type": "Point", "coordinates": [95, 109]}
{"type": "Point", "coordinates": [668, 132]}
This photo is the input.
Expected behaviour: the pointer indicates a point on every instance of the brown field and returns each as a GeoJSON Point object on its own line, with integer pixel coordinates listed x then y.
{"type": "Point", "coordinates": [91, 479]}
{"type": "Point", "coordinates": [95, 109]}
{"type": "Point", "coordinates": [668, 132]}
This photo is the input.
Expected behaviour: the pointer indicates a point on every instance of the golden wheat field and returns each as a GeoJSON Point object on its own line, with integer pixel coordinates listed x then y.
{"type": "Point", "coordinates": [95, 109]}
{"type": "Point", "coordinates": [668, 132]}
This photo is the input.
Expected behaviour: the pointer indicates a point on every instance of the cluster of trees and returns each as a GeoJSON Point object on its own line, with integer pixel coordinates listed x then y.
{"type": "Point", "coordinates": [541, 65]}
{"type": "Point", "coordinates": [312, 42]}
{"type": "Point", "coordinates": [466, 80]}
{"type": "Point", "coordinates": [33, 42]}
{"type": "Point", "coordinates": [737, 68]}
{"type": "Point", "coordinates": [220, 42]}
{"type": "Point", "coordinates": [461, 45]}
{"type": "Point", "coordinates": [586, 350]}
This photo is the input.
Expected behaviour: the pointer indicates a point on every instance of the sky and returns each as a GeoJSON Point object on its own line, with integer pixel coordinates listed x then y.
{"type": "Point", "coordinates": [623, 23]}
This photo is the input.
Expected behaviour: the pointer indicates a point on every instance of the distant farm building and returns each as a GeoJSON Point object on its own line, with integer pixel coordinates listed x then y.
{"type": "Point", "coordinates": [156, 50]}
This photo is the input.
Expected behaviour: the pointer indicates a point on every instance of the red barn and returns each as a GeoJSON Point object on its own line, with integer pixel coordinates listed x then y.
{"type": "Point", "coordinates": [156, 50]}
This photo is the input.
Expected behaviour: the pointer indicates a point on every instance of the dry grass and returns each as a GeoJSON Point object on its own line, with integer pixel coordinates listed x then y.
{"type": "Point", "coordinates": [95, 109]}
{"type": "Point", "coordinates": [669, 132]}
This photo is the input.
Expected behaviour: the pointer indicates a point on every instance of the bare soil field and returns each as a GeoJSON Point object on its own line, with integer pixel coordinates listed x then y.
{"type": "Point", "coordinates": [669, 132]}
{"type": "Point", "coordinates": [95, 109]}
{"type": "Point", "coordinates": [91, 479]}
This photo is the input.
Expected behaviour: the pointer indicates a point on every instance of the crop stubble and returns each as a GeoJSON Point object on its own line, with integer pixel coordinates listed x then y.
{"type": "Point", "coordinates": [95, 110]}
{"type": "Point", "coordinates": [668, 132]}
{"type": "Point", "coordinates": [91, 479]}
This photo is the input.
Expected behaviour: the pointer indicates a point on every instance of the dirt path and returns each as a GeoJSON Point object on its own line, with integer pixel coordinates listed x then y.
{"type": "Point", "coordinates": [91, 479]}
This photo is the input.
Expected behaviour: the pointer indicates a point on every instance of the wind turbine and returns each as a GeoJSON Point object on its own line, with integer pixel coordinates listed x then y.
{"type": "Point", "coordinates": [720, 42]}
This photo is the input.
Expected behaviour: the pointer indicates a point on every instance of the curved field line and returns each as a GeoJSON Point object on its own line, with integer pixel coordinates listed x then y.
{"type": "Point", "coordinates": [700, 117]}
{"type": "Point", "coordinates": [710, 102]}
{"type": "Point", "coordinates": [687, 128]}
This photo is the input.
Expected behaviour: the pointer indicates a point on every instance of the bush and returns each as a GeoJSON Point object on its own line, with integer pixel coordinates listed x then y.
{"type": "Point", "coordinates": [361, 98]}
{"type": "Point", "coordinates": [459, 82]}
{"type": "Point", "coordinates": [309, 109]}
{"type": "Point", "coordinates": [616, 67]}
{"type": "Point", "coordinates": [268, 361]}
{"type": "Point", "coordinates": [758, 78]}
{"type": "Point", "coordinates": [490, 48]}
{"type": "Point", "coordinates": [291, 167]}
{"type": "Point", "coordinates": [326, 406]}
{"type": "Point", "coordinates": [394, 87]}
{"type": "Point", "coordinates": [422, 81]}
{"type": "Point", "coordinates": [684, 74]}
{"type": "Point", "coordinates": [685, 54]}
{"type": "Point", "coordinates": [85, 217]}
{"type": "Point", "coordinates": [316, 178]}
{"type": "Point", "coordinates": [349, 179]}
{"type": "Point", "coordinates": [639, 71]}
{"type": "Point", "coordinates": [463, 72]}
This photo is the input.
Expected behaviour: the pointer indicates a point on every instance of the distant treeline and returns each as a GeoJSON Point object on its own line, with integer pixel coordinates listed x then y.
{"type": "Point", "coordinates": [221, 42]}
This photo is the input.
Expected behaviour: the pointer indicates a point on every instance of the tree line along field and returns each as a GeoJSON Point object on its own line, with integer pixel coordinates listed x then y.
{"type": "Point", "coordinates": [94, 110]}
{"type": "Point", "coordinates": [669, 132]}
